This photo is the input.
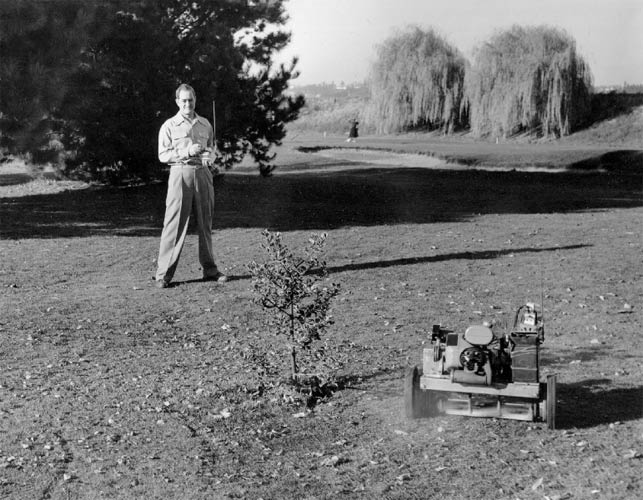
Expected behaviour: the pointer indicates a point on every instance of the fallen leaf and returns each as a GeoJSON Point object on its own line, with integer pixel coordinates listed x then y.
{"type": "Point", "coordinates": [330, 461]}
{"type": "Point", "coordinates": [537, 484]}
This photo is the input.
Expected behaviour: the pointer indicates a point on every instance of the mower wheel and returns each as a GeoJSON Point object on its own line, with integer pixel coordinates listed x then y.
{"type": "Point", "coordinates": [551, 402]}
{"type": "Point", "coordinates": [416, 401]}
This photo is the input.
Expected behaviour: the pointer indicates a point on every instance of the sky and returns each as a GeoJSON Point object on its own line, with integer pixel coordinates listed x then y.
{"type": "Point", "coordinates": [336, 40]}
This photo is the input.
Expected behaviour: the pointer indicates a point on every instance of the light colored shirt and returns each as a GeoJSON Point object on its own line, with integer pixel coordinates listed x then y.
{"type": "Point", "coordinates": [177, 134]}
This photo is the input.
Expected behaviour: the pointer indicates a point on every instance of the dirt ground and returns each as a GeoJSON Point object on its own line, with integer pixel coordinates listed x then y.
{"type": "Point", "coordinates": [112, 388]}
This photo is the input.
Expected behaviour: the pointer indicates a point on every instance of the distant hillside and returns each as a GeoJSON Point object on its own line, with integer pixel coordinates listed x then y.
{"type": "Point", "coordinates": [330, 107]}
{"type": "Point", "coordinates": [624, 130]}
{"type": "Point", "coordinates": [333, 91]}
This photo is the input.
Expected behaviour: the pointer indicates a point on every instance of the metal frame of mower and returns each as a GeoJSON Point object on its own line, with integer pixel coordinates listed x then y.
{"type": "Point", "coordinates": [477, 374]}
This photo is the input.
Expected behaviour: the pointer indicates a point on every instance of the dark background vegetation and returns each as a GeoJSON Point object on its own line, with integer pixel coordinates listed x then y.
{"type": "Point", "coordinates": [89, 83]}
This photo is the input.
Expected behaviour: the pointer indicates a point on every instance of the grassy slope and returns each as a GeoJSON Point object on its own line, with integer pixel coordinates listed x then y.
{"type": "Point", "coordinates": [613, 144]}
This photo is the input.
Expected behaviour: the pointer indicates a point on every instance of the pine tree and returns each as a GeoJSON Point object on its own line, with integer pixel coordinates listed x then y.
{"type": "Point", "coordinates": [115, 83]}
{"type": "Point", "coordinates": [39, 42]}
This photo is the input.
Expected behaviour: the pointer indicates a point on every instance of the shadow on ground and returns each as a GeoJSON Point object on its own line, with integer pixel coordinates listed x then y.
{"type": "Point", "coordinates": [590, 403]}
{"type": "Point", "coordinates": [323, 201]}
{"type": "Point", "coordinates": [621, 161]}
{"type": "Point", "coordinates": [609, 105]}
{"type": "Point", "coordinates": [13, 179]}
{"type": "Point", "coordinates": [379, 264]}
{"type": "Point", "coordinates": [561, 359]}
{"type": "Point", "coordinates": [482, 255]}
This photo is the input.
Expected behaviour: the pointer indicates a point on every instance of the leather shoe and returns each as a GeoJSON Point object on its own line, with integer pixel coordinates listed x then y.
{"type": "Point", "coordinates": [162, 284]}
{"type": "Point", "coordinates": [218, 277]}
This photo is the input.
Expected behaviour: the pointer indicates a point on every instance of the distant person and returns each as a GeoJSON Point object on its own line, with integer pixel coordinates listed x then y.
{"type": "Point", "coordinates": [186, 143]}
{"type": "Point", "coordinates": [352, 133]}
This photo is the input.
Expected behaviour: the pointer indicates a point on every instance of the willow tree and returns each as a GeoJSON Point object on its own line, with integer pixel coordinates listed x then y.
{"type": "Point", "coordinates": [528, 80]}
{"type": "Point", "coordinates": [417, 82]}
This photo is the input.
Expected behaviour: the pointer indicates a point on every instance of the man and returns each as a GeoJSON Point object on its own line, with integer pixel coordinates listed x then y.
{"type": "Point", "coordinates": [352, 133]}
{"type": "Point", "coordinates": [186, 143]}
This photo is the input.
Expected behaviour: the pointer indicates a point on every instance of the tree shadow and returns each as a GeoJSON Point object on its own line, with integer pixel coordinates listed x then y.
{"type": "Point", "coordinates": [562, 358]}
{"type": "Point", "coordinates": [14, 179]}
{"type": "Point", "coordinates": [590, 403]}
{"type": "Point", "coordinates": [409, 261]}
{"type": "Point", "coordinates": [358, 380]}
{"type": "Point", "coordinates": [231, 277]}
{"type": "Point", "coordinates": [606, 106]}
{"type": "Point", "coordinates": [481, 255]}
{"type": "Point", "coordinates": [323, 201]}
{"type": "Point", "coordinates": [621, 161]}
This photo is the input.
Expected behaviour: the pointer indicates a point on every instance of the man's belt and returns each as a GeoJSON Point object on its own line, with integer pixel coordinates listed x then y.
{"type": "Point", "coordinates": [187, 165]}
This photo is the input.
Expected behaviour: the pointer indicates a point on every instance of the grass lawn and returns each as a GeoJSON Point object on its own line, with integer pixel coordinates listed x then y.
{"type": "Point", "coordinates": [112, 388]}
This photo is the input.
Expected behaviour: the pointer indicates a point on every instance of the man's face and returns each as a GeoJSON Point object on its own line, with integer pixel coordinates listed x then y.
{"type": "Point", "coordinates": [186, 102]}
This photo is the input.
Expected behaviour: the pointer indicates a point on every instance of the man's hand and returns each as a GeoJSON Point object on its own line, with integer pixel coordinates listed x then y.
{"type": "Point", "coordinates": [195, 149]}
{"type": "Point", "coordinates": [206, 159]}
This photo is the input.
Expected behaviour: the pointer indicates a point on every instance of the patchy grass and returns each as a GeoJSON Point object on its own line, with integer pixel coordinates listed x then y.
{"type": "Point", "coordinates": [111, 388]}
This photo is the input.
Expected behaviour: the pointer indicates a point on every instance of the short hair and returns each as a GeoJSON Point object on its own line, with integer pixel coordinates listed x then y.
{"type": "Point", "coordinates": [184, 86]}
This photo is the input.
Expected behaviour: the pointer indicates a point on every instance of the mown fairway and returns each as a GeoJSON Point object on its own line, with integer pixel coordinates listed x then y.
{"type": "Point", "coordinates": [111, 388]}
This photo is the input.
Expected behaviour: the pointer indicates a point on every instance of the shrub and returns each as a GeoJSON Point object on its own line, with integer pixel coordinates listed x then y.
{"type": "Point", "coordinates": [291, 289]}
{"type": "Point", "coordinates": [417, 81]}
{"type": "Point", "coordinates": [528, 80]}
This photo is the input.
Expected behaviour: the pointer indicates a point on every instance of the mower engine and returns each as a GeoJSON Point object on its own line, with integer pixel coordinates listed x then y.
{"type": "Point", "coordinates": [478, 357]}
{"type": "Point", "coordinates": [477, 373]}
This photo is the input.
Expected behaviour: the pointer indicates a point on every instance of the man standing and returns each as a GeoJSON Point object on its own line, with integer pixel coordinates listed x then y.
{"type": "Point", "coordinates": [186, 142]}
{"type": "Point", "coordinates": [352, 133]}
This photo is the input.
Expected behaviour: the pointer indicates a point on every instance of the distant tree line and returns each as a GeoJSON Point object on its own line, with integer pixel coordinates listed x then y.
{"type": "Point", "coordinates": [521, 80]}
{"type": "Point", "coordinates": [91, 81]}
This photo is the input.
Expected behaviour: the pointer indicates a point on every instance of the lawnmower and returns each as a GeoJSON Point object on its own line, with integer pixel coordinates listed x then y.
{"type": "Point", "coordinates": [480, 374]}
